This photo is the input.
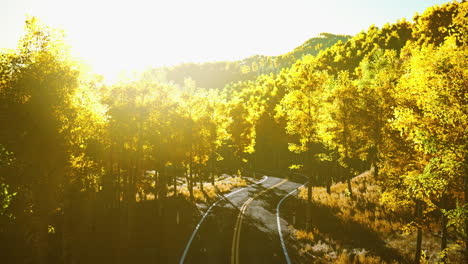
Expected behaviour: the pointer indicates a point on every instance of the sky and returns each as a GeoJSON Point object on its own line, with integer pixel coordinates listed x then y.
{"type": "Point", "coordinates": [114, 36]}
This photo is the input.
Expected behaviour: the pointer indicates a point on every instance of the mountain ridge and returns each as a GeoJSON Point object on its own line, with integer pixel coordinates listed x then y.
{"type": "Point", "coordinates": [216, 74]}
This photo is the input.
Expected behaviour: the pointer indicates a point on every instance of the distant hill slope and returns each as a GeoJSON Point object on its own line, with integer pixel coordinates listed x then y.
{"type": "Point", "coordinates": [218, 74]}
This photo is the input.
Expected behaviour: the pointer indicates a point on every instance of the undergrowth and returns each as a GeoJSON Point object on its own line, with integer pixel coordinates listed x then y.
{"type": "Point", "coordinates": [360, 229]}
{"type": "Point", "coordinates": [209, 192]}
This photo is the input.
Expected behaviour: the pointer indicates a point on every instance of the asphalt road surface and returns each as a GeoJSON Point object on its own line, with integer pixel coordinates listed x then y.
{"type": "Point", "coordinates": [243, 227]}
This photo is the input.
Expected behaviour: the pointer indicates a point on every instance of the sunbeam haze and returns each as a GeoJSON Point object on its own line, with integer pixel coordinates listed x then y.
{"type": "Point", "coordinates": [131, 35]}
{"type": "Point", "coordinates": [233, 132]}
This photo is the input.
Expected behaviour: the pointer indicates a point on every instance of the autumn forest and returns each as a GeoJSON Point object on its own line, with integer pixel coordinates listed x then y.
{"type": "Point", "coordinates": [358, 144]}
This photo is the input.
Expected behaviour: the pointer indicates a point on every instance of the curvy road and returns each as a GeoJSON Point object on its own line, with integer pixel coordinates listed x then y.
{"type": "Point", "coordinates": [245, 226]}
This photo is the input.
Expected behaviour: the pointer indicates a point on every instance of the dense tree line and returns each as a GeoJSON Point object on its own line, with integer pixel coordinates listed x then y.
{"type": "Point", "coordinates": [395, 98]}
{"type": "Point", "coordinates": [67, 139]}
{"type": "Point", "coordinates": [392, 99]}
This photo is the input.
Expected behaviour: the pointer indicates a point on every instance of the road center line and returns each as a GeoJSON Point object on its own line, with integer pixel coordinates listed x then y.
{"type": "Point", "coordinates": [238, 226]}
{"type": "Point", "coordinates": [189, 243]}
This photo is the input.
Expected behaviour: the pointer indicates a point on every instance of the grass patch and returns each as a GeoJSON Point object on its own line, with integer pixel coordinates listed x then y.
{"type": "Point", "coordinates": [360, 230]}
{"type": "Point", "coordinates": [222, 185]}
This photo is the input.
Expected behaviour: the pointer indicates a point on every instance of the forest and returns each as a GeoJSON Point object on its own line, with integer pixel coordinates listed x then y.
{"type": "Point", "coordinates": [375, 125]}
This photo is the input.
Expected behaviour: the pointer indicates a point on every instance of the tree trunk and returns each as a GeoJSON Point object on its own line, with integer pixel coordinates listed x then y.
{"type": "Point", "coordinates": [162, 190]}
{"type": "Point", "coordinates": [164, 182]}
{"type": "Point", "coordinates": [119, 179]}
{"type": "Point", "coordinates": [190, 182]}
{"type": "Point", "coordinates": [376, 169]}
{"type": "Point", "coordinates": [125, 188]}
{"type": "Point", "coordinates": [350, 189]}
{"type": "Point", "coordinates": [40, 220]}
{"type": "Point", "coordinates": [418, 214]}
{"type": "Point", "coordinates": [118, 187]}
{"type": "Point", "coordinates": [345, 143]}
{"type": "Point", "coordinates": [175, 180]}
{"type": "Point", "coordinates": [108, 180]}
{"type": "Point", "coordinates": [200, 179]}
{"type": "Point", "coordinates": [443, 244]}
{"type": "Point", "coordinates": [466, 202]}
{"type": "Point", "coordinates": [156, 189]}
{"type": "Point", "coordinates": [131, 202]}
{"type": "Point", "coordinates": [309, 204]}
{"type": "Point", "coordinates": [375, 164]}
{"type": "Point", "coordinates": [70, 219]}
{"type": "Point", "coordinates": [132, 187]}
{"type": "Point", "coordinates": [42, 244]}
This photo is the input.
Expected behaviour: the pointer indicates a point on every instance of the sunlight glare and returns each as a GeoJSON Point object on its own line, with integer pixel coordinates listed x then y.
{"type": "Point", "coordinates": [116, 36]}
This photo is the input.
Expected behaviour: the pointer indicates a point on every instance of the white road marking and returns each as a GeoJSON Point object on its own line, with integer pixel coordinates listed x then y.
{"type": "Point", "coordinates": [283, 245]}
{"type": "Point", "coordinates": [187, 247]}
{"type": "Point", "coordinates": [238, 226]}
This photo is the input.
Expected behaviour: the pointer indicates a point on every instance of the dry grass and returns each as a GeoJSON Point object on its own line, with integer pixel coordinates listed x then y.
{"type": "Point", "coordinates": [362, 218]}
{"type": "Point", "coordinates": [364, 209]}
{"type": "Point", "coordinates": [222, 186]}
{"type": "Point", "coordinates": [302, 234]}
{"type": "Point", "coordinates": [358, 257]}
{"type": "Point", "coordinates": [229, 183]}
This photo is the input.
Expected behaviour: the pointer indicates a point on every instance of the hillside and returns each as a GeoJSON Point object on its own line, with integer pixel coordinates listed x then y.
{"type": "Point", "coordinates": [217, 74]}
